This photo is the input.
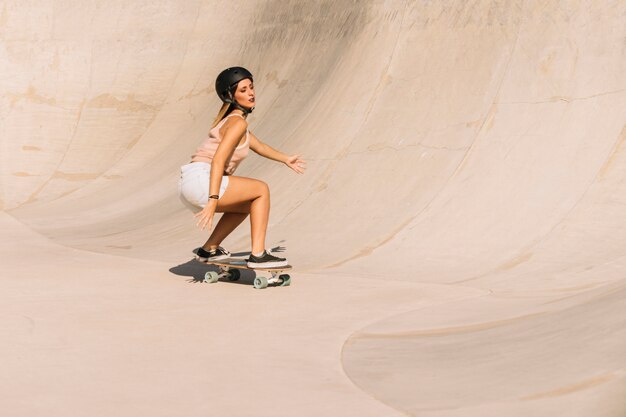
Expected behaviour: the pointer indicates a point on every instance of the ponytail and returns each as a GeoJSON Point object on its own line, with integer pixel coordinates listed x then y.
{"type": "Point", "coordinates": [226, 108]}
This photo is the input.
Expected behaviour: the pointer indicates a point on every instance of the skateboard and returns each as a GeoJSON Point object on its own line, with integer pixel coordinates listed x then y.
{"type": "Point", "coordinates": [229, 268]}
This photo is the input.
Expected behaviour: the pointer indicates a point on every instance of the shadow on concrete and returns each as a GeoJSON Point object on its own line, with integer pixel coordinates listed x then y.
{"type": "Point", "coordinates": [195, 271]}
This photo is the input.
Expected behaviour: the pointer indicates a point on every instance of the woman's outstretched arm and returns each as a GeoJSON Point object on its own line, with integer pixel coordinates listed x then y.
{"type": "Point", "coordinates": [292, 161]}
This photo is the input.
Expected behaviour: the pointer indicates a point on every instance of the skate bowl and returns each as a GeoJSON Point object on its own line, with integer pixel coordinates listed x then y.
{"type": "Point", "coordinates": [459, 237]}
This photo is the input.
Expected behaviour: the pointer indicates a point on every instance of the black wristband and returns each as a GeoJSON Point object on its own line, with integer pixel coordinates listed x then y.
{"type": "Point", "coordinates": [215, 196]}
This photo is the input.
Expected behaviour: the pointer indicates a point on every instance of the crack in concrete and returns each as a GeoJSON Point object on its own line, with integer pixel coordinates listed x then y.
{"type": "Point", "coordinates": [393, 148]}
{"type": "Point", "coordinates": [565, 99]}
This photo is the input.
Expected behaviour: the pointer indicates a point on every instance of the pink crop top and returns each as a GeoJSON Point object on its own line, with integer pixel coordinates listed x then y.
{"type": "Point", "coordinates": [208, 147]}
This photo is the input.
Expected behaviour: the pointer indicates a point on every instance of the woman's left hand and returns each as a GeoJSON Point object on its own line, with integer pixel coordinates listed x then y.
{"type": "Point", "coordinates": [296, 163]}
{"type": "Point", "coordinates": [205, 215]}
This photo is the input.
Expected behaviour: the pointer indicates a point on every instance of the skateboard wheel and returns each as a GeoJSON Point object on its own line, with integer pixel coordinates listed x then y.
{"type": "Point", "coordinates": [286, 280]}
{"type": "Point", "coordinates": [211, 277]}
{"type": "Point", "coordinates": [234, 275]}
{"type": "Point", "coordinates": [260, 283]}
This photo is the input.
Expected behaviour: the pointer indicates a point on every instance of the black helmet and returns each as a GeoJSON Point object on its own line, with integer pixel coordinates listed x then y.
{"type": "Point", "coordinates": [227, 80]}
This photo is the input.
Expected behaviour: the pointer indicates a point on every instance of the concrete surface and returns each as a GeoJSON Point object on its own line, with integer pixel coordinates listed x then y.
{"type": "Point", "coordinates": [458, 237]}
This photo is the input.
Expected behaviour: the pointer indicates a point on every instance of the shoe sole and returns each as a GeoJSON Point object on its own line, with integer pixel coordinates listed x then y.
{"type": "Point", "coordinates": [213, 259]}
{"type": "Point", "coordinates": [253, 265]}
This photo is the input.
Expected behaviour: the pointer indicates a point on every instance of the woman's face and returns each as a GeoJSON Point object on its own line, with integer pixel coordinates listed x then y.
{"type": "Point", "coordinates": [244, 94]}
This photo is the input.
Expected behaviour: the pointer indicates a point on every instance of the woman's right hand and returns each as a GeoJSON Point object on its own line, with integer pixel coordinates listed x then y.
{"type": "Point", "coordinates": [205, 216]}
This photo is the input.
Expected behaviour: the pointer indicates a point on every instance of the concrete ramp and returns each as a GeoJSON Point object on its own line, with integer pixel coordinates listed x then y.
{"type": "Point", "coordinates": [459, 237]}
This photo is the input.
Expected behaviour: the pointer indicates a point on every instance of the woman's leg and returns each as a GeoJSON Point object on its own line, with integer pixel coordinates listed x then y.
{"type": "Point", "coordinates": [247, 195]}
{"type": "Point", "coordinates": [224, 227]}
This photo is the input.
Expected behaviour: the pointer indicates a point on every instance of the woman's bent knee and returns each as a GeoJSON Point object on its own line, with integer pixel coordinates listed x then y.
{"type": "Point", "coordinates": [241, 190]}
{"type": "Point", "coordinates": [264, 189]}
{"type": "Point", "coordinates": [260, 188]}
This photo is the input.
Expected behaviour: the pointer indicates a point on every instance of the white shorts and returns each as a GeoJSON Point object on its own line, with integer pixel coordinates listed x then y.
{"type": "Point", "coordinates": [193, 186]}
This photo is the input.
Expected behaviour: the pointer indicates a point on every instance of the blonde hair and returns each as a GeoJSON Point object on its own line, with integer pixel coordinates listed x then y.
{"type": "Point", "coordinates": [221, 114]}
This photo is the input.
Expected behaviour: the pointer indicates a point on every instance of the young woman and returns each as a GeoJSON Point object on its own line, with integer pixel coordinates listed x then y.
{"type": "Point", "coordinates": [208, 181]}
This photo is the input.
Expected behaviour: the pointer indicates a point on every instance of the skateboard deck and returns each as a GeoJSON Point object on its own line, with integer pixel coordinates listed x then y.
{"type": "Point", "coordinates": [229, 268]}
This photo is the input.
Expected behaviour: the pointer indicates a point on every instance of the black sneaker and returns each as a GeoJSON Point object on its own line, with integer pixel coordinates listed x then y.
{"type": "Point", "coordinates": [266, 260]}
{"type": "Point", "coordinates": [218, 254]}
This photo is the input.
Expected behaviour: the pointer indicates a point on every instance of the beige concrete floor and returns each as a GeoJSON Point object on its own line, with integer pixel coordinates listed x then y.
{"type": "Point", "coordinates": [458, 238]}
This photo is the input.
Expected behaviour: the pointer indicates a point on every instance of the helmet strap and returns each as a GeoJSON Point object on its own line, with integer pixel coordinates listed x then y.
{"type": "Point", "coordinates": [246, 111]}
